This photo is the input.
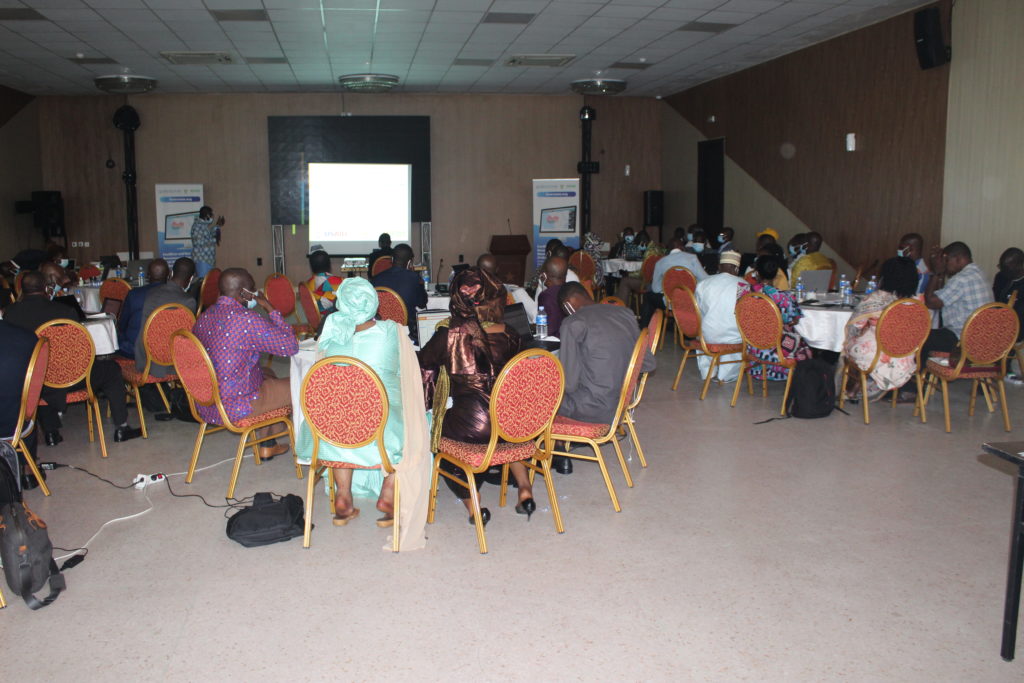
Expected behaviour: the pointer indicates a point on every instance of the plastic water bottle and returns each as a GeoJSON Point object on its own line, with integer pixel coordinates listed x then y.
{"type": "Point", "coordinates": [843, 282]}
{"type": "Point", "coordinates": [542, 323]}
{"type": "Point", "coordinates": [847, 295]}
{"type": "Point", "coordinates": [801, 291]}
{"type": "Point", "coordinates": [426, 279]}
{"type": "Point", "coordinates": [872, 285]}
{"type": "Point", "coordinates": [141, 279]}
{"type": "Point", "coordinates": [119, 271]}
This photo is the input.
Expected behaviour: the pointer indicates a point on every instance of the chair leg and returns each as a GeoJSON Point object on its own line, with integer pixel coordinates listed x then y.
{"type": "Point", "coordinates": [863, 395]}
{"type": "Point", "coordinates": [785, 393]}
{"type": "Point", "coordinates": [433, 490]}
{"type": "Point", "coordinates": [195, 452]}
{"type": "Point", "coordinates": [679, 372]}
{"type": "Point", "coordinates": [631, 426]}
{"type": "Point", "coordinates": [1002, 398]}
{"type": "Point", "coordinates": [99, 428]}
{"type": "Point", "coordinates": [549, 484]}
{"type": "Point", "coordinates": [989, 395]}
{"type": "Point", "coordinates": [750, 379]}
{"type": "Point", "coordinates": [974, 396]}
{"type": "Point", "coordinates": [163, 396]}
{"type": "Point", "coordinates": [919, 400]}
{"type": "Point", "coordinates": [622, 463]}
{"type": "Point", "coordinates": [396, 528]}
{"type": "Point", "coordinates": [945, 403]}
{"type": "Point", "coordinates": [474, 496]}
{"type": "Point", "coordinates": [843, 379]}
{"type": "Point", "coordinates": [503, 489]}
{"type": "Point", "coordinates": [238, 462]}
{"type": "Point", "coordinates": [607, 478]}
{"type": "Point", "coordinates": [661, 336]}
{"type": "Point", "coordinates": [88, 418]}
{"type": "Point", "coordinates": [138, 407]}
{"type": "Point", "coordinates": [711, 373]}
{"type": "Point", "coordinates": [764, 380]}
{"type": "Point", "coordinates": [310, 492]}
{"type": "Point", "coordinates": [35, 468]}
{"type": "Point", "coordinates": [739, 382]}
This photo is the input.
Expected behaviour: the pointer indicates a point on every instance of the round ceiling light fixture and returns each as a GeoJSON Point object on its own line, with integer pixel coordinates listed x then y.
{"type": "Point", "coordinates": [368, 83]}
{"type": "Point", "coordinates": [598, 86]}
{"type": "Point", "coordinates": [125, 83]}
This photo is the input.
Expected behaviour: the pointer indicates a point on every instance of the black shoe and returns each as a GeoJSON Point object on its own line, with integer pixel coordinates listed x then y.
{"type": "Point", "coordinates": [125, 433]}
{"type": "Point", "coordinates": [527, 507]}
{"type": "Point", "coordinates": [485, 516]}
{"type": "Point", "coordinates": [53, 438]}
{"type": "Point", "coordinates": [562, 464]}
{"type": "Point", "coordinates": [163, 417]}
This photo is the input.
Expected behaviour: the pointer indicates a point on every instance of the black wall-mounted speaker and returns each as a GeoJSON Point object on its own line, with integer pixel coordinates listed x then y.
{"type": "Point", "coordinates": [931, 48]}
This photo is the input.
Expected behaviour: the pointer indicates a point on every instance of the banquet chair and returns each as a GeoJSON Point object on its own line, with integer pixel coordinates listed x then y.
{"type": "Point", "coordinates": [346, 405]}
{"type": "Point", "coordinates": [114, 288]}
{"type": "Point", "coordinates": [689, 322]}
{"type": "Point", "coordinates": [30, 391]}
{"type": "Point", "coordinates": [583, 264]}
{"type": "Point", "coordinates": [751, 278]}
{"type": "Point", "coordinates": [310, 308]}
{"type": "Point", "coordinates": [646, 275]}
{"type": "Point", "coordinates": [988, 336]}
{"type": "Point", "coordinates": [209, 291]}
{"type": "Point", "coordinates": [72, 353]}
{"type": "Point", "coordinates": [156, 340]}
{"type": "Point", "coordinates": [1018, 348]}
{"type": "Point", "coordinates": [595, 434]}
{"type": "Point", "coordinates": [760, 323]}
{"type": "Point", "coordinates": [614, 301]}
{"type": "Point", "coordinates": [280, 293]}
{"type": "Point", "coordinates": [194, 369]}
{"type": "Point", "coordinates": [381, 264]}
{"type": "Point", "coordinates": [89, 271]}
{"type": "Point", "coordinates": [654, 329]}
{"type": "Point", "coordinates": [523, 403]}
{"type": "Point", "coordinates": [390, 306]}
{"type": "Point", "coordinates": [901, 330]}
{"type": "Point", "coordinates": [676, 276]}
{"type": "Point", "coordinates": [589, 286]}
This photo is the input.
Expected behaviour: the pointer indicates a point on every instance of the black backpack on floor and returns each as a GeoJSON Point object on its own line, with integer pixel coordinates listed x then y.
{"type": "Point", "coordinates": [267, 520]}
{"type": "Point", "coordinates": [813, 391]}
{"type": "Point", "coordinates": [27, 554]}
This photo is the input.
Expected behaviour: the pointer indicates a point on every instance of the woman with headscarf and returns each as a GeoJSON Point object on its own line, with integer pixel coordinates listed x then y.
{"type": "Point", "coordinates": [465, 356]}
{"type": "Point", "coordinates": [794, 347]}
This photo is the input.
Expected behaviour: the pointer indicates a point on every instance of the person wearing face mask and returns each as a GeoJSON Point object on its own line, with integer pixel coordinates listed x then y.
{"type": "Point", "coordinates": [407, 283]}
{"type": "Point", "coordinates": [35, 308]}
{"type": "Point", "coordinates": [912, 246]}
{"type": "Point", "coordinates": [655, 298]}
{"type": "Point", "coordinates": [625, 246]}
{"type": "Point", "coordinates": [725, 240]}
{"type": "Point", "coordinates": [812, 258]}
{"type": "Point", "coordinates": [235, 335]}
{"type": "Point", "coordinates": [131, 319]}
{"type": "Point", "coordinates": [205, 238]}
{"type": "Point", "coordinates": [174, 291]}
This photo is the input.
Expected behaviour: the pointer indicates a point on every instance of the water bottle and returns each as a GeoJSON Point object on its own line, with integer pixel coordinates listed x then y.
{"type": "Point", "coordinates": [872, 285]}
{"type": "Point", "coordinates": [141, 279]}
{"type": "Point", "coordinates": [426, 278]}
{"type": "Point", "coordinates": [847, 295]}
{"type": "Point", "coordinates": [842, 284]}
{"type": "Point", "coordinates": [800, 289]}
{"type": "Point", "coordinates": [542, 323]}
{"type": "Point", "coordinates": [119, 271]}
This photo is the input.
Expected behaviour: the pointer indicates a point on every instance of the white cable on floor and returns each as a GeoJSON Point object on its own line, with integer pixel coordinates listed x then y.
{"type": "Point", "coordinates": [108, 523]}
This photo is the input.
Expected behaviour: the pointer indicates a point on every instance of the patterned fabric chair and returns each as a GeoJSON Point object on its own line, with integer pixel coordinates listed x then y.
{"type": "Point", "coordinates": [646, 275]}
{"type": "Point", "coordinates": [751, 278]}
{"type": "Point", "coordinates": [654, 329]}
{"type": "Point", "coordinates": [524, 400]}
{"type": "Point", "coordinates": [689, 323]}
{"type": "Point", "coordinates": [760, 323]}
{"type": "Point", "coordinates": [989, 335]}
{"type": "Point", "coordinates": [583, 264]}
{"type": "Point", "coordinates": [279, 291]}
{"type": "Point", "coordinates": [194, 369]}
{"type": "Point", "coordinates": [676, 276]}
{"type": "Point", "coordinates": [901, 330]}
{"type": "Point", "coordinates": [595, 434]}
{"type": "Point", "coordinates": [346, 405]}
{"type": "Point", "coordinates": [72, 354]}
{"type": "Point", "coordinates": [156, 340]}
{"type": "Point", "coordinates": [89, 271]}
{"type": "Point", "coordinates": [381, 264]}
{"type": "Point", "coordinates": [310, 310]}
{"type": "Point", "coordinates": [116, 289]}
{"type": "Point", "coordinates": [614, 301]}
{"type": "Point", "coordinates": [29, 402]}
{"type": "Point", "coordinates": [391, 306]}
{"type": "Point", "coordinates": [209, 291]}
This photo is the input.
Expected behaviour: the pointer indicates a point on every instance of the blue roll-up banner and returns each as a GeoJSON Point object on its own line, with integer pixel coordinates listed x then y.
{"type": "Point", "coordinates": [177, 206]}
{"type": "Point", "coordinates": [556, 206]}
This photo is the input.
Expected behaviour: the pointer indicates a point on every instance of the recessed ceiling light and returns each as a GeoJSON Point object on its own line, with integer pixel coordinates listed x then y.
{"type": "Point", "coordinates": [539, 60]}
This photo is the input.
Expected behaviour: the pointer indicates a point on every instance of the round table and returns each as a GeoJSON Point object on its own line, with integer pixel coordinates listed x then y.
{"type": "Point", "coordinates": [824, 327]}
{"type": "Point", "coordinates": [103, 331]}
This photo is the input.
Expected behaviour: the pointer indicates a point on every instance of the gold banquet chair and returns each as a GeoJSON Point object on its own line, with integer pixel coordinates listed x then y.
{"type": "Point", "coordinates": [30, 391]}
{"type": "Point", "coordinates": [654, 331]}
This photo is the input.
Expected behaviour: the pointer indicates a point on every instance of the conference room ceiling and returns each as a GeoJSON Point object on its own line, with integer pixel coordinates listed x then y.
{"type": "Point", "coordinates": [660, 47]}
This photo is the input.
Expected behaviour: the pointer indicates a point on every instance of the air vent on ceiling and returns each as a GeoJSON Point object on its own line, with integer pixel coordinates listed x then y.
{"type": "Point", "coordinates": [539, 60]}
{"type": "Point", "coordinates": [20, 14]}
{"type": "Point", "coordinates": [466, 61]}
{"type": "Point", "coordinates": [266, 60]}
{"type": "Point", "coordinates": [200, 58]}
{"type": "Point", "coordinates": [239, 14]}
{"type": "Point", "coordinates": [706, 27]}
{"type": "Point", "coordinates": [91, 60]}
{"type": "Point", "coordinates": [636, 66]}
{"type": "Point", "coordinates": [507, 18]}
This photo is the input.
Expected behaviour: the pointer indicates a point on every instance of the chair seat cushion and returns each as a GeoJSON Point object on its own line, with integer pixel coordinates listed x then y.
{"type": "Point", "coordinates": [968, 371]}
{"type": "Point", "coordinates": [134, 377]}
{"type": "Point", "coordinates": [569, 427]}
{"type": "Point", "coordinates": [250, 420]}
{"type": "Point", "coordinates": [77, 396]}
{"type": "Point", "coordinates": [725, 348]}
{"type": "Point", "coordinates": [472, 454]}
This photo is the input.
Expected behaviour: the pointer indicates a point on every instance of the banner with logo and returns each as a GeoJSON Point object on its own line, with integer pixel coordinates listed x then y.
{"type": "Point", "coordinates": [177, 206]}
{"type": "Point", "coordinates": [556, 206]}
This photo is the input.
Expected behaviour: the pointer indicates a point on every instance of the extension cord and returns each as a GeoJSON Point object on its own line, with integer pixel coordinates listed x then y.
{"type": "Point", "coordinates": [141, 481]}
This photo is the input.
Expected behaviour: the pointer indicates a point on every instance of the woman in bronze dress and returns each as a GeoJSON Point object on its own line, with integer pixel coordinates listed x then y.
{"type": "Point", "coordinates": [472, 346]}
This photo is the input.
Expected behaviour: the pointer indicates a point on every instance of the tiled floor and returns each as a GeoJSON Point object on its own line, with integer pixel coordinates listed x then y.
{"type": "Point", "coordinates": [792, 550]}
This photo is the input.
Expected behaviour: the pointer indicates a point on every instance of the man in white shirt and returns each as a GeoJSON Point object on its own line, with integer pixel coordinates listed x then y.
{"type": "Point", "coordinates": [655, 298]}
{"type": "Point", "coordinates": [716, 298]}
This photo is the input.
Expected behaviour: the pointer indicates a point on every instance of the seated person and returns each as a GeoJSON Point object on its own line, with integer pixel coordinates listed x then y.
{"type": "Point", "coordinates": [624, 247]}
{"type": "Point", "coordinates": [554, 270]}
{"type": "Point", "coordinates": [697, 242]}
{"type": "Point", "coordinates": [173, 292]}
{"type": "Point", "coordinates": [472, 347]}
{"type": "Point", "coordinates": [132, 320]}
{"type": "Point", "coordinates": [407, 283]}
{"type": "Point", "coordinates": [235, 335]}
{"type": "Point", "coordinates": [912, 246]}
{"type": "Point", "coordinates": [489, 263]}
{"type": "Point", "coordinates": [812, 258]}
{"type": "Point", "coordinates": [764, 238]}
{"type": "Point", "coordinates": [796, 247]}
{"type": "Point", "coordinates": [899, 280]}
{"type": "Point", "coordinates": [725, 237]}
{"type": "Point", "coordinates": [793, 346]}
{"type": "Point", "coordinates": [654, 298]}
{"type": "Point", "coordinates": [716, 298]}
{"type": "Point", "coordinates": [592, 245]}
{"type": "Point", "coordinates": [534, 284]}
{"type": "Point", "coordinates": [33, 310]}
{"type": "Point", "coordinates": [383, 249]}
{"type": "Point", "coordinates": [1010, 279]}
{"type": "Point", "coordinates": [323, 284]}
{"type": "Point", "coordinates": [781, 282]}
{"type": "Point", "coordinates": [957, 287]}
{"type": "Point", "coordinates": [18, 345]}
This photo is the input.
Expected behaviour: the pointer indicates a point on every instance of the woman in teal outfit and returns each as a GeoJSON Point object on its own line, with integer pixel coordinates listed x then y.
{"type": "Point", "coordinates": [352, 331]}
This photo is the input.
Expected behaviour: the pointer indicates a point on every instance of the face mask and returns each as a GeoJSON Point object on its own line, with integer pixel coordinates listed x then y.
{"type": "Point", "coordinates": [904, 253]}
{"type": "Point", "coordinates": [721, 239]}
{"type": "Point", "coordinates": [250, 303]}
{"type": "Point", "coordinates": [698, 247]}
{"type": "Point", "coordinates": [629, 239]}
{"type": "Point", "coordinates": [792, 250]}
{"type": "Point", "coordinates": [63, 263]}
{"type": "Point", "coordinates": [190, 281]}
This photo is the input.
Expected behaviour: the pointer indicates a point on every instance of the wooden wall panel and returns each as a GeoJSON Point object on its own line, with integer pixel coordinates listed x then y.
{"type": "Point", "coordinates": [785, 123]}
{"type": "Point", "coordinates": [19, 176]}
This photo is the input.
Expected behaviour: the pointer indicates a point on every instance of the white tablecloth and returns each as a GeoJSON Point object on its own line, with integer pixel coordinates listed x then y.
{"type": "Point", "coordinates": [91, 298]}
{"type": "Point", "coordinates": [301, 362]}
{"type": "Point", "coordinates": [612, 266]}
{"type": "Point", "coordinates": [104, 334]}
{"type": "Point", "coordinates": [824, 328]}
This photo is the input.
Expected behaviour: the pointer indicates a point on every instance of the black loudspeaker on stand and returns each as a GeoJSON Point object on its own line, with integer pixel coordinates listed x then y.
{"type": "Point", "coordinates": [931, 48]}
{"type": "Point", "coordinates": [654, 208]}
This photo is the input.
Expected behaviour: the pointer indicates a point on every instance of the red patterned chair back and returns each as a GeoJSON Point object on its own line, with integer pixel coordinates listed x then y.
{"type": "Point", "coordinates": [114, 288]}
{"type": "Point", "coordinates": [309, 306]}
{"type": "Point", "coordinates": [632, 378]}
{"type": "Point", "coordinates": [32, 387]}
{"type": "Point", "coordinates": [685, 312]}
{"type": "Point", "coordinates": [526, 396]}
{"type": "Point", "coordinates": [583, 264]}
{"type": "Point", "coordinates": [760, 321]}
{"type": "Point", "coordinates": [903, 328]}
{"type": "Point", "coordinates": [989, 334]}
{"type": "Point", "coordinates": [390, 306]}
{"type": "Point", "coordinates": [613, 300]}
{"type": "Point", "coordinates": [678, 276]}
{"type": "Point", "coordinates": [279, 291]}
{"type": "Point", "coordinates": [193, 367]}
{"type": "Point", "coordinates": [160, 326]}
{"type": "Point", "coordinates": [72, 352]}
{"type": "Point", "coordinates": [653, 336]}
{"type": "Point", "coordinates": [345, 404]}
{"type": "Point", "coordinates": [381, 264]}
{"type": "Point", "coordinates": [210, 289]}
{"type": "Point", "coordinates": [89, 271]}
{"type": "Point", "coordinates": [647, 269]}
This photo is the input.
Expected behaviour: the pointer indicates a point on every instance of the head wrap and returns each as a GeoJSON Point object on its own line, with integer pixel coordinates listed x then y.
{"type": "Point", "coordinates": [477, 298]}
{"type": "Point", "coordinates": [770, 231]}
{"type": "Point", "coordinates": [356, 303]}
{"type": "Point", "coordinates": [730, 258]}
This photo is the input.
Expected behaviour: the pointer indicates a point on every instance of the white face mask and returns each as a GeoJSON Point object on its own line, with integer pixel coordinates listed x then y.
{"type": "Point", "coordinates": [698, 247]}
{"type": "Point", "coordinates": [905, 253]}
{"type": "Point", "coordinates": [63, 263]}
{"type": "Point", "coordinates": [629, 239]}
{"type": "Point", "coordinates": [250, 303]}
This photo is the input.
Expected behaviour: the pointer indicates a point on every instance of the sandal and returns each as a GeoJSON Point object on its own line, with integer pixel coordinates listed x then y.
{"type": "Point", "coordinates": [338, 520]}
{"type": "Point", "coordinates": [384, 522]}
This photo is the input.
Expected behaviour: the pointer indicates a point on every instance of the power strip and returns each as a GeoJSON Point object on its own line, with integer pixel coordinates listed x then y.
{"type": "Point", "coordinates": [141, 481]}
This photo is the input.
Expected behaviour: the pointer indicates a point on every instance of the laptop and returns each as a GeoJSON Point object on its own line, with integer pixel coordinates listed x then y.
{"type": "Point", "coordinates": [515, 318]}
{"type": "Point", "coordinates": [72, 303]}
{"type": "Point", "coordinates": [815, 280]}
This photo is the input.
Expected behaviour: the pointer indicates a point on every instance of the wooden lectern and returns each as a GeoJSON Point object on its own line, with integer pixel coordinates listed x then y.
{"type": "Point", "coordinates": [510, 252]}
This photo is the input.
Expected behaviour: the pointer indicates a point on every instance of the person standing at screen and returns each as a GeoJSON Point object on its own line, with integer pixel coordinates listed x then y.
{"type": "Point", "coordinates": [205, 238]}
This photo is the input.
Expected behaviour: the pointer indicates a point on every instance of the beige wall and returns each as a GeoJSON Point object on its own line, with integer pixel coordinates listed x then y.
{"type": "Point", "coordinates": [20, 174]}
{"type": "Point", "coordinates": [983, 202]}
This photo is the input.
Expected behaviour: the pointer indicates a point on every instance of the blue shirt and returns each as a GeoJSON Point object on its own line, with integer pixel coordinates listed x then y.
{"type": "Point", "coordinates": [676, 258]}
{"type": "Point", "coordinates": [130, 323]}
{"type": "Point", "coordinates": [409, 286]}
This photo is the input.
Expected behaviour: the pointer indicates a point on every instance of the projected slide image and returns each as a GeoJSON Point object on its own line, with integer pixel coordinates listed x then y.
{"type": "Point", "coordinates": [560, 219]}
{"type": "Point", "coordinates": [350, 205]}
{"type": "Point", "coordinates": [178, 226]}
